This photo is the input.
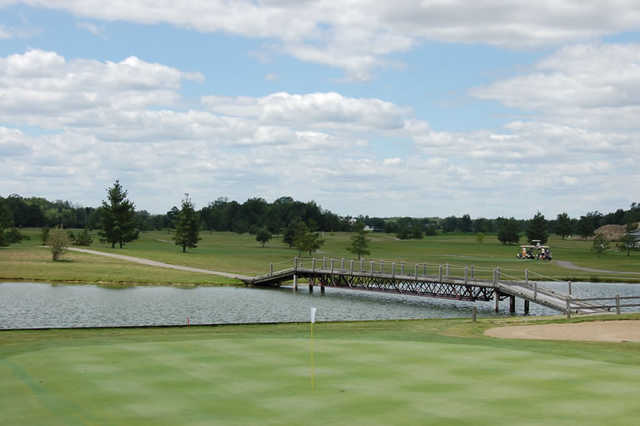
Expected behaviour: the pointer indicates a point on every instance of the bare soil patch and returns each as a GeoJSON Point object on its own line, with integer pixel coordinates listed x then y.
{"type": "Point", "coordinates": [597, 331]}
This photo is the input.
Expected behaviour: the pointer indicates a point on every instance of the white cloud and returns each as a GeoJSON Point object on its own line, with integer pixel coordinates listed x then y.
{"type": "Point", "coordinates": [123, 119]}
{"type": "Point", "coordinates": [94, 29]}
{"type": "Point", "coordinates": [592, 86]}
{"type": "Point", "coordinates": [357, 35]}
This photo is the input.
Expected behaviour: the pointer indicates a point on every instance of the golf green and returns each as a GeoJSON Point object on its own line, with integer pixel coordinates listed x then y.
{"type": "Point", "coordinates": [405, 372]}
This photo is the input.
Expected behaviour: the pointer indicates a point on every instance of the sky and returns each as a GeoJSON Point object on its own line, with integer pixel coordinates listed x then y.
{"type": "Point", "coordinates": [404, 108]}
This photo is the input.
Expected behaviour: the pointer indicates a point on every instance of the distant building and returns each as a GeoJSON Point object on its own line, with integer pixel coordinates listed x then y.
{"type": "Point", "coordinates": [636, 236]}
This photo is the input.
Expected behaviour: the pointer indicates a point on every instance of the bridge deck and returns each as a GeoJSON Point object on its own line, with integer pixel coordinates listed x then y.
{"type": "Point", "coordinates": [429, 285]}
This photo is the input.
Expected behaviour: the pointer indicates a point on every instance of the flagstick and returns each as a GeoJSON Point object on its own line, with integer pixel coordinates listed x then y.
{"type": "Point", "coordinates": [313, 365]}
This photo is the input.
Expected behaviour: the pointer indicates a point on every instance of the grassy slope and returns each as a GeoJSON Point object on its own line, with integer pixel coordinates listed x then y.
{"type": "Point", "coordinates": [241, 253]}
{"type": "Point", "coordinates": [406, 372]}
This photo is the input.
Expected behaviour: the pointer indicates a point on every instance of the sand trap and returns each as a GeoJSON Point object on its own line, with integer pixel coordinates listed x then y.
{"type": "Point", "coordinates": [597, 331]}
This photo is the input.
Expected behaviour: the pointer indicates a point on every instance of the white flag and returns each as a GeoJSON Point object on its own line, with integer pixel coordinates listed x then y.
{"type": "Point", "coordinates": [313, 315]}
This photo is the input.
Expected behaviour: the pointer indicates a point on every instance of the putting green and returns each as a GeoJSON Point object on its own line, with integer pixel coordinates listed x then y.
{"type": "Point", "coordinates": [374, 373]}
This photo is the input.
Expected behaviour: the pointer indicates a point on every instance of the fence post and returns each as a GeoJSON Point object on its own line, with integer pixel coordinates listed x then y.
{"type": "Point", "coordinates": [393, 269]}
{"type": "Point", "coordinates": [617, 304]}
{"type": "Point", "coordinates": [440, 273]}
{"type": "Point", "coordinates": [568, 307]}
{"type": "Point", "coordinates": [495, 279]}
{"type": "Point", "coordinates": [351, 267]}
{"type": "Point", "coordinates": [402, 269]}
{"type": "Point", "coordinates": [466, 274]}
{"type": "Point", "coordinates": [295, 263]}
{"type": "Point", "coordinates": [415, 271]}
{"type": "Point", "coordinates": [569, 287]}
{"type": "Point", "coordinates": [271, 269]}
{"type": "Point", "coordinates": [342, 264]}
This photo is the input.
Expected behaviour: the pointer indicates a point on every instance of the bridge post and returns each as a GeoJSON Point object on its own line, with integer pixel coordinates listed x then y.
{"type": "Point", "coordinates": [393, 269]}
{"type": "Point", "coordinates": [271, 269]}
{"type": "Point", "coordinates": [295, 263]}
{"type": "Point", "coordinates": [474, 314]}
{"type": "Point", "coordinates": [295, 282]}
{"type": "Point", "coordinates": [568, 307]}
{"type": "Point", "coordinates": [324, 262]}
{"type": "Point", "coordinates": [313, 264]}
{"type": "Point", "coordinates": [512, 304]}
{"type": "Point", "coordinates": [446, 273]}
{"type": "Point", "coordinates": [472, 272]}
{"type": "Point", "coordinates": [495, 278]}
{"type": "Point", "coordinates": [440, 273]}
{"type": "Point", "coordinates": [535, 290]}
{"type": "Point", "coordinates": [617, 304]}
{"type": "Point", "coordinates": [402, 269]}
{"type": "Point", "coordinates": [361, 265]}
{"type": "Point", "coordinates": [415, 271]}
{"type": "Point", "coordinates": [569, 283]}
{"type": "Point", "coordinates": [497, 297]}
{"type": "Point", "coordinates": [424, 269]}
{"type": "Point", "coordinates": [311, 286]}
{"type": "Point", "coordinates": [466, 274]}
{"type": "Point", "coordinates": [371, 265]}
{"type": "Point", "coordinates": [342, 264]}
{"type": "Point", "coordinates": [351, 267]}
{"type": "Point", "coordinates": [331, 266]}
{"type": "Point", "coordinates": [526, 307]}
{"type": "Point", "coordinates": [321, 288]}
{"type": "Point", "coordinates": [526, 276]}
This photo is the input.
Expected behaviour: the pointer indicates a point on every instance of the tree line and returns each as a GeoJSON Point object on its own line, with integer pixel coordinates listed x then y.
{"type": "Point", "coordinates": [282, 216]}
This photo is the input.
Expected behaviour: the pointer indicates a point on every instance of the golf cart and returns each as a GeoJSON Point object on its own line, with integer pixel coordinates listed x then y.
{"type": "Point", "coordinates": [534, 251]}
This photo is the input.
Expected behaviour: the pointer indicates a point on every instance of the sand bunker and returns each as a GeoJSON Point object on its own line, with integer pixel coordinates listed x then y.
{"type": "Point", "coordinates": [599, 331]}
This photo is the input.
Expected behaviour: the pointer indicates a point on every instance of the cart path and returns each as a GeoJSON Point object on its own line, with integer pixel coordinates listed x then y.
{"type": "Point", "coordinates": [150, 262]}
{"type": "Point", "coordinates": [570, 265]}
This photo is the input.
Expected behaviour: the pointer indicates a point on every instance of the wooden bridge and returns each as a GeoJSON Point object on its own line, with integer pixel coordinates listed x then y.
{"type": "Point", "coordinates": [420, 280]}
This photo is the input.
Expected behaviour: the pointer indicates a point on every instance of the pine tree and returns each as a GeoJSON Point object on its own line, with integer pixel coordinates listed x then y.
{"type": "Point", "coordinates": [187, 226]}
{"type": "Point", "coordinates": [359, 242]}
{"type": "Point", "coordinates": [118, 217]}
{"type": "Point", "coordinates": [537, 229]}
{"type": "Point", "coordinates": [509, 231]}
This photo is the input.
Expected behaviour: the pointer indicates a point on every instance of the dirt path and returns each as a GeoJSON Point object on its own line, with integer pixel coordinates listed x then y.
{"type": "Point", "coordinates": [597, 331]}
{"type": "Point", "coordinates": [570, 265]}
{"type": "Point", "coordinates": [150, 262]}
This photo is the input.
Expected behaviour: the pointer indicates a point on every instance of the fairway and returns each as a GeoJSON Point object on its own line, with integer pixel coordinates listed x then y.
{"type": "Point", "coordinates": [395, 372]}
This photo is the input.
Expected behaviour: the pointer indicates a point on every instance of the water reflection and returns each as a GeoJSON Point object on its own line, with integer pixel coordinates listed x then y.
{"type": "Point", "coordinates": [35, 305]}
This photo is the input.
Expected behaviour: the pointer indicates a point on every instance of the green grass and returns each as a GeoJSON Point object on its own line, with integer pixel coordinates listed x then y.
{"type": "Point", "coordinates": [397, 372]}
{"type": "Point", "coordinates": [229, 252]}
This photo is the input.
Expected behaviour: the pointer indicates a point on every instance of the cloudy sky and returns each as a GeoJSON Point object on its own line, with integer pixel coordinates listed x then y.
{"type": "Point", "coordinates": [418, 108]}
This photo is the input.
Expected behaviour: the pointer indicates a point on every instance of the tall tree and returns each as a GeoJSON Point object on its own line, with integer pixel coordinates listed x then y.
{"type": "Point", "coordinates": [305, 240]}
{"type": "Point", "coordinates": [600, 244]}
{"type": "Point", "coordinates": [537, 229]}
{"type": "Point", "coordinates": [359, 242]}
{"type": "Point", "coordinates": [118, 217]}
{"type": "Point", "coordinates": [563, 225]}
{"type": "Point", "coordinates": [263, 236]}
{"type": "Point", "coordinates": [187, 225]}
{"type": "Point", "coordinates": [628, 241]}
{"type": "Point", "coordinates": [509, 231]}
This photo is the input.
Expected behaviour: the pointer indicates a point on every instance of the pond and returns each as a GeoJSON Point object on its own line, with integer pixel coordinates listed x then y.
{"type": "Point", "coordinates": [39, 305]}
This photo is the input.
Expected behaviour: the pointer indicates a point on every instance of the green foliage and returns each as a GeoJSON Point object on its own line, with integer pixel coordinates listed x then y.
{"type": "Point", "coordinates": [44, 234]}
{"type": "Point", "coordinates": [509, 231]}
{"type": "Point", "coordinates": [600, 244]}
{"type": "Point", "coordinates": [537, 229]}
{"type": "Point", "coordinates": [84, 238]}
{"type": "Point", "coordinates": [118, 217]}
{"type": "Point", "coordinates": [359, 242]}
{"type": "Point", "coordinates": [628, 241]}
{"type": "Point", "coordinates": [563, 225]}
{"type": "Point", "coordinates": [263, 236]}
{"type": "Point", "coordinates": [480, 237]}
{"type": "Point", "coordinates": [187, 226]}
{"type": "Point", "coordinates": [288, 236]}
{"type": "Point", "coordinates": [305, 240]}
{"type": "Point", "coordinates": [58, 242]}
{"type": "Point", "coordinates": [588, 224]}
